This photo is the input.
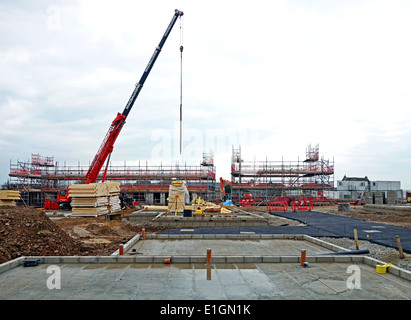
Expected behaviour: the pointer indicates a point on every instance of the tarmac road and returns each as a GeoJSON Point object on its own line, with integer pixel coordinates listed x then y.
{"type": "Point", "coordinates": [342, 226]}
{"type": "Point", "coordinates": [320, 224]}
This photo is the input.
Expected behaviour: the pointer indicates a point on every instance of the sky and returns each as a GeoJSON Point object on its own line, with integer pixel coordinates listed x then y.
{"type": "Point", "coordinates": [269, 76]}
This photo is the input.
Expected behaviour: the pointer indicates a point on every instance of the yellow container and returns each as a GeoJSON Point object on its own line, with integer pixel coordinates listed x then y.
{"type": "Point", "coordinates": [177, 183]}
{"type": "Point", "coordinates": [382, 268]}
{"type": "Point", "coordinates": [199, 212]}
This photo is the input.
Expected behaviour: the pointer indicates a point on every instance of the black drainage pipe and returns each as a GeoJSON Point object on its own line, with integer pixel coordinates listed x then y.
{"type": "Point", "coordinates": [366, 251]}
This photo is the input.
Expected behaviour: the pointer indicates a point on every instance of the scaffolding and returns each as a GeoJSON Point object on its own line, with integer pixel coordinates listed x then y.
{"type": "Point", "coordinates": [29, 178]}
{"type": "Point", "coordinates": [282, 180]}
{"type": "Point", "coordinates": [143, 182]}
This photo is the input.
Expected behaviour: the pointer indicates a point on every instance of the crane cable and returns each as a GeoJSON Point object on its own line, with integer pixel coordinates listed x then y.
{"type": "Point", "coordinates": [181, 83]}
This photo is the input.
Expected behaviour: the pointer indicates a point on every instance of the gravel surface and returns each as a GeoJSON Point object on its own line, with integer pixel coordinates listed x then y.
{"type": "Point", "coordinates": [379, 252]}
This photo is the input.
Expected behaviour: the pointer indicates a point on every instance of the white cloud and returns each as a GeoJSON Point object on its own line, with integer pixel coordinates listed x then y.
{"type": "Point", "coordinates": [271, 76]}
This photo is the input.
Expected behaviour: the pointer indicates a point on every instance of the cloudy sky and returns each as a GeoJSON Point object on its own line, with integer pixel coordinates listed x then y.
{"type": "Point", "coordinates": [270, 76]}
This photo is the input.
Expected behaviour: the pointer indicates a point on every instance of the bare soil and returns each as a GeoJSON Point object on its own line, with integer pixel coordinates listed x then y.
{"type": "Point", "coordinates": [26, 231]}
{"type": "Point", "coordinates": [402, 220]}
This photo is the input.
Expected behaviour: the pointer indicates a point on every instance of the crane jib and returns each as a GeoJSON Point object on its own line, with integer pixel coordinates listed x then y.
{"type": "Point", "coordinates": [150, 64]}
{"type": "Point", "coordinates": [106, 147]}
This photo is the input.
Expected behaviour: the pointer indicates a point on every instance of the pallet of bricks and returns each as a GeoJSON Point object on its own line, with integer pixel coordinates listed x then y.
{"type": "Point", "coordinates": [95, 199]}
{"type": "Point", "coordinates": [9, 197]}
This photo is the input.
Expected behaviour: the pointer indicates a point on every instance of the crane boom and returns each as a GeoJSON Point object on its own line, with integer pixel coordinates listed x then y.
{"type": "Point", "coordinates": [107, 145]}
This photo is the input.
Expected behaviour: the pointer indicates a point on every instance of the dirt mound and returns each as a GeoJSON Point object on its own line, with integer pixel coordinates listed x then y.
{"type": "Point", "coordinates": [26, 231]}
{"type": "Point", "coordinates": [100, 230]}
{"type": "Point", "coordinates": [401, 220]}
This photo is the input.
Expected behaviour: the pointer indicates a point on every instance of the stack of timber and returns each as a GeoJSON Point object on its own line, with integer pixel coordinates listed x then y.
{"type": "Point", "coordinates": [8, 197]}
{"type": "Point", "coordinates": [94, 199]}
{"type": "Point", "coordinates": [89, 202]}
{"type": "Point", "coordinates": [113, 190]}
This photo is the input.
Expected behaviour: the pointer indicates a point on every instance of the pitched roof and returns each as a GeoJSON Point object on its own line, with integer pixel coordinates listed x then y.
{"type": "Point", "coordinates": [355, 179]}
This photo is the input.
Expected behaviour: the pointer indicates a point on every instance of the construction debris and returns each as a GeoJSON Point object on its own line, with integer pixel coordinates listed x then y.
{"type": "Point", "coordinates": [200, 206]}
{"type": "Point", "coordinates": [8, 197]}
{"type": "Point", "coordinates": [95, 199]}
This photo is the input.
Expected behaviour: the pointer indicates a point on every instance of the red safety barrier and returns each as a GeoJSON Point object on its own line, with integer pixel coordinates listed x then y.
{"type": "Point", "coordinates": [247, 202]}
{"type": "Point", "coordinates": [277, 206]}
{"type": "Point", "coordinates": [302, 205]}
{"type": "Point", "coordinates": [51, 205]}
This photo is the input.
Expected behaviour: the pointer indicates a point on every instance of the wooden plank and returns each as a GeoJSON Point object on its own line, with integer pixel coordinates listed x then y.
{"type": "Point", "coordinates": [7, 203]}
{"type": "Point", "coordinates": [9, 195]}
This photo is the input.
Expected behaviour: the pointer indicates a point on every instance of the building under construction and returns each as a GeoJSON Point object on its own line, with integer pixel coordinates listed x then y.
{"type": "Point", "coordinates": [41, 178]}
{"type": "Point", "coordinates": [264, 181]}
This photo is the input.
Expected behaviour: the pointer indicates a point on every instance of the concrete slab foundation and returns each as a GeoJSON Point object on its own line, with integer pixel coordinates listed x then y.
{"type": "Point", "coordinates": [210, 220]}
{"type": "Point", "coordinates": [243, 281]}
{"type": "Point", "coordinates": [248, 267]}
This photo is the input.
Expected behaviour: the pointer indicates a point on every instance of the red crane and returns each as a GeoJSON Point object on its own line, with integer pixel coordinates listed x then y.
{"type": "Point", "coordinates": [107, 145]}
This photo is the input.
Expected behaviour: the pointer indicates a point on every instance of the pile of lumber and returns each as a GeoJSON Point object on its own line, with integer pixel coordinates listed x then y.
{"type": "Point", "coordinates": [89, 202]}
{"type": "Point", "coordinates": [95, 199]}
{"type": "Point", "coordinates": [215, 208]}
{"type": "Point", "coordinates": [8, 197]}
{"type": "Point", "coordinates": [113, 190]}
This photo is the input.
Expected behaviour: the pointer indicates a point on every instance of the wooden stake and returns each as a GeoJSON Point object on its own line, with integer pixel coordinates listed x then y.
{"type": "Point", "coordinates": [399, 247]}
{"type": "Point", "coordinates": [356, 239]}
{"type": "Point", "coordinates": [208, 273]}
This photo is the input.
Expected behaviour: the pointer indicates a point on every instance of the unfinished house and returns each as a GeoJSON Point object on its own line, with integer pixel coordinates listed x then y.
{"type": "Point", "coordinates": [41, 178]}
{"type": "Point", "coordinates": [309, 179]}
